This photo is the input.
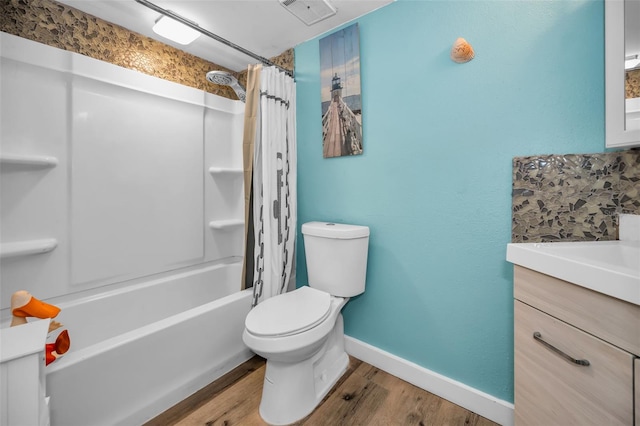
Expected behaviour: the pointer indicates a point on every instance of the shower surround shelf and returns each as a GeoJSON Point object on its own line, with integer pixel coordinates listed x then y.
{"type": "Point", "coordinates": [26, 248]}
{"type": "Point", "coordinates": [28, 160]}
{"type": "Point", "coordinates": [225, 171]}
{"type": "Point", "coordinates": [226, 224]}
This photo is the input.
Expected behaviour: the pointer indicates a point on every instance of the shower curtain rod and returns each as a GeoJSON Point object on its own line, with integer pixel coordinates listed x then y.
{"type": "Point", "coordinates": [216, 37]}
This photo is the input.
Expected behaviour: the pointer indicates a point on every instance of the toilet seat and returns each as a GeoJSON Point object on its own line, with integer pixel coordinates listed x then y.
{"type": "Point", "coordinates": [290, 313]}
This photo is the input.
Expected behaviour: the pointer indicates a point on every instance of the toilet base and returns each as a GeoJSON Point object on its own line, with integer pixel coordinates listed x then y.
{"type": "Point", "coordinates": [293, 390]}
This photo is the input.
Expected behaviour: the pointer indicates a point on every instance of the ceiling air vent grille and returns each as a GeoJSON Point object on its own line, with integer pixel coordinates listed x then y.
{"type": "Point", "coordinates": [309, 11]}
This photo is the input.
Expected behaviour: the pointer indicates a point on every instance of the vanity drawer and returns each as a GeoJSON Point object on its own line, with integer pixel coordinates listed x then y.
{"type": "Point", "coordinates": [550, 390]}
{"type": "Point", "coordinates": [611, 319]}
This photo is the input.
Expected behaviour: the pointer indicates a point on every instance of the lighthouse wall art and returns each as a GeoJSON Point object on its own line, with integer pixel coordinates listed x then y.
{"type": "Point", "coordinates": [341, 94]}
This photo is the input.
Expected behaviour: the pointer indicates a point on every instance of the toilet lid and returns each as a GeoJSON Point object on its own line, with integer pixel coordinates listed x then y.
{"type": "Point", "coordinates": [289, 313]}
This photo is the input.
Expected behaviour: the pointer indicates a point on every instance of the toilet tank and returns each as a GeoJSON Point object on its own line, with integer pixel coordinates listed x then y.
{"type": "Point", "coordinates": [336, 256]}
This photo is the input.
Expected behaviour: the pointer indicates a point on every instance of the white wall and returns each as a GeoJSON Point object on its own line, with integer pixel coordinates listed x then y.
{"type": "Point", "coordinates": [131, 194]}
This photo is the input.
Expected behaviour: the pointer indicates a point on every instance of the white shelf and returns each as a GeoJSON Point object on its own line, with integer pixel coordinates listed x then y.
{"type": "Point", "coordinates": [226, 224]}
{"type": "Point", "coordinates": [25, 248]}
{"type": "Point", "coordinates": [21, 356]}
{"type": "Point", "coordinates": [27, 339]}
{"type": "Point", "coordinates": [225, 170]}
{"type": "Point", "coordinates": [29, 160]}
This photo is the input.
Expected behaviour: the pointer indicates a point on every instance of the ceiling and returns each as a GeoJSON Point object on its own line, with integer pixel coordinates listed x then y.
{"type": "Point", "coordinates": [263, 27]}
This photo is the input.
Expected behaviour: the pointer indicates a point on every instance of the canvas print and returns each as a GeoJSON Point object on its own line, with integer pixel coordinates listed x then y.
{"type": "Point", "coordinates": [341, 94]}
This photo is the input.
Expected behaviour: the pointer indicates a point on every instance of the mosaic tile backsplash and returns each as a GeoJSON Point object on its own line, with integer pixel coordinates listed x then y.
{"type": "Point", "coordinates": [573, 197]}
{"type": "Point", "coordinates": [632, 84]}
{"type": "Point", "coordinates": [64, 27]}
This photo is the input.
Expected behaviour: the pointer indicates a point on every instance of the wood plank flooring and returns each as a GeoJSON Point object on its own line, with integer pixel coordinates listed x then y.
{"type": "Point", "coordinates": [365, 396]}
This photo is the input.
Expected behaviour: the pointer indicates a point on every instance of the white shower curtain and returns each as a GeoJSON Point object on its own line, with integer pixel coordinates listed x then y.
{"type": "Point", "coordinates": [274, 185]}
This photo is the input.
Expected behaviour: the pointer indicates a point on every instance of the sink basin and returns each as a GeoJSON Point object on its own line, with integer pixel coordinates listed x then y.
{"type": "Point", "coordinates": [609, 267]}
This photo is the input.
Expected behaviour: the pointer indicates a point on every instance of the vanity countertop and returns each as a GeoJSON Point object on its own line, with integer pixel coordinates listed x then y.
{"type": "Point", "coordinates": [608, 267]}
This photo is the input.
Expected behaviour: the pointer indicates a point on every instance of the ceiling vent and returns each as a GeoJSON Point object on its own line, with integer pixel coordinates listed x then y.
{"type": "Point", "coordinates": [309, 11]}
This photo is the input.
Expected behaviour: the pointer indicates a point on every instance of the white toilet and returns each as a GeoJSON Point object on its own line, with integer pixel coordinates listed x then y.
{"type": "Point", "coordinates": [300, 333]}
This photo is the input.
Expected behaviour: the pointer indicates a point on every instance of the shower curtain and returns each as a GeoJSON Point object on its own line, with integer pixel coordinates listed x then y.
{"type": "Point", "coordinates": [270, 151]}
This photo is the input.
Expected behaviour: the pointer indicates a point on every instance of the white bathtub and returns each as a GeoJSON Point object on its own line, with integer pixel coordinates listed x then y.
{"type": "Point", "coordinates": [139, 350]}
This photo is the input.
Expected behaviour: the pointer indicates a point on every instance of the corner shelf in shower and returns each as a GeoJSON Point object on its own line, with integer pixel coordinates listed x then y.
{"type": "Point", "coordinates": [227, 224]}
{"type": "Point", "coordinates": [26, 248]}
{"type": "Point", "coordinates": [225, 171]}
{"type": "Point", "coordinates": [28, 160]}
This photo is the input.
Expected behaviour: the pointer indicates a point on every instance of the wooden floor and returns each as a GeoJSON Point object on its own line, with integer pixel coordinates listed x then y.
{"type": "Point", "coordinates": [365, 395]}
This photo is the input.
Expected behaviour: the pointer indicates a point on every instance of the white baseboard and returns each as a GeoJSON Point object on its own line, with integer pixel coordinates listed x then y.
{"type": "Point", "coordinates": [465, 396]}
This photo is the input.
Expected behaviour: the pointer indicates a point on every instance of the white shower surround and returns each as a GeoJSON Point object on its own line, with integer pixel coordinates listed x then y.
{"type": "Point", "coordinates": [142, 214]}
{"type": "Point", "coordinates": [131, 194]}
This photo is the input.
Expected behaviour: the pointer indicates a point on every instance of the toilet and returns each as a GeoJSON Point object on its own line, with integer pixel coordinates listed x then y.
{"type": "Point", "coordinates": [301, 333]}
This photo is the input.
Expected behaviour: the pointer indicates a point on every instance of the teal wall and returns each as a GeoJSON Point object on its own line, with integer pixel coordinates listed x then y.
{"type": "Point", "coordinates": [434, 182]}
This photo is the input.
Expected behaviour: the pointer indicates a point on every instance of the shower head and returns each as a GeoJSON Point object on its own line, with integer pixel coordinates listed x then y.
{"type": "Point", "coordinates": [224, 78]}
{"type": "Point", "coordinates": [221, 77]}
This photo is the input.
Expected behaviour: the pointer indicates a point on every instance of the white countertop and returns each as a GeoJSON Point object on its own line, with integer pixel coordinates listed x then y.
{"type": "Point", "coordinates": [608, 267]}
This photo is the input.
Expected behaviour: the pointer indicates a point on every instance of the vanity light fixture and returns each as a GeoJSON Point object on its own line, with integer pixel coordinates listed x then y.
{"type": "Point", "coordinates": [175, 31]}
{"type": "Point", "coordinates": [631, 61]}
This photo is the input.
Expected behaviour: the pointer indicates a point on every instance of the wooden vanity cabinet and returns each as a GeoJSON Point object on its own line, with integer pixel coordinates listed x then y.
{"type": "Point", "coordinates": [636, 369]}
{"type": "Point", "coordinates": [575, 351]}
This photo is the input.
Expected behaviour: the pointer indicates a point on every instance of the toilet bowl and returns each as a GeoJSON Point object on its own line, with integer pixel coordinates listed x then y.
{"type": "Point", "coordinates": [303, 364]}
{"type": "Point", "coordinates": [301, 333]}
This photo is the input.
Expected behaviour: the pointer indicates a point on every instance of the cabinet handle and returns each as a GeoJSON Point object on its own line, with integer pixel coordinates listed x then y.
{"type": "Point", "coordinates": [538, 337]}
